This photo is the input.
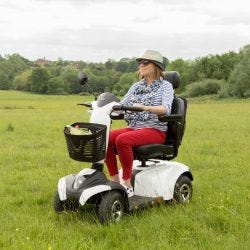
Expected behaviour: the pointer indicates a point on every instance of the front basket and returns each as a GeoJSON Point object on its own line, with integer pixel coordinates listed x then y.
{"type": "Point", "coordinates": [89, 147]}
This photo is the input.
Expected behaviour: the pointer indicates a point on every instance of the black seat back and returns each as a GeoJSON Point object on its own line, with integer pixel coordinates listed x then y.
{"type": "Point", "coordinates": [176, 129]}
{"type": "Point", "coordinates": [174, 78]}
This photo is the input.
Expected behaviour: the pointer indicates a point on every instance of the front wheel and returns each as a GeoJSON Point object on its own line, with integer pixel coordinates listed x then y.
{"type": "Point", "coordinates": [183, 190]}
{"type": "Point", "coordinates": [61, 206]}
{"type": "Point", "coordinates": [111, 207]}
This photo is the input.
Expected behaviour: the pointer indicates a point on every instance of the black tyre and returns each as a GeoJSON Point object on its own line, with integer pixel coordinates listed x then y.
{"type": "Point", "coordinates": [111, 207]}
{"type": "Point", "coordinates": [61, 206]}
{"type": "Point", "coordinates": [183, 190]}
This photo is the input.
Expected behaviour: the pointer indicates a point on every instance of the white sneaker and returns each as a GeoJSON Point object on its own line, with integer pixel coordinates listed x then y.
{"type": "Point", "coordinates": [129, 190]}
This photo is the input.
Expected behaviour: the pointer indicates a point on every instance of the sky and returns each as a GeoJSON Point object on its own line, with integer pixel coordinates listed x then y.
{"type": "Point", "coordinates": [98, 30]}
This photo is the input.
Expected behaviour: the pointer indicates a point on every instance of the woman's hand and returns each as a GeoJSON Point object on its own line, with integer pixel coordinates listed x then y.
{"type": "Point", "coordinates": [138, 105]}
{"type": "Point", "coordinates": [158, 110]}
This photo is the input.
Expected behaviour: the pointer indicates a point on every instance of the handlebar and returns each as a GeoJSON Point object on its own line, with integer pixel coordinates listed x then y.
{"type": "Point", "coordinates": [86, 104]}
{"type": "Point", "coordinates": [162, 118]}
{"type": "Point", "coordinates": [127, 108]}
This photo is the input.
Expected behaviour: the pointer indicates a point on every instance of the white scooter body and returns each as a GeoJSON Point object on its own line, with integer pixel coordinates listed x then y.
{"type": "Point", "coordinates": [156, 180]}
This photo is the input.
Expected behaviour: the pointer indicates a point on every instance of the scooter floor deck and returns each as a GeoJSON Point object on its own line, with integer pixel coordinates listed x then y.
{"type": "Point", "coordinates": [137, 202]}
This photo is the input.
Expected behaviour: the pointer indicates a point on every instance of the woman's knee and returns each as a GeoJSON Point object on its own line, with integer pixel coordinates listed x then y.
{"type": "Point", "coordinates": [122, 140]}
{"type": "Point", "coordinates": [112, 138]}
{"type": "Point", "coordinates": [113, 134]}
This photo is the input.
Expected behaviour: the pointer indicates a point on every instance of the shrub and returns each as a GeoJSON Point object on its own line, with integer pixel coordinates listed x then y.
{"type": "Point", "coordinates": [204, 87]}
{"type": "Point", "coordinates": [224, 90]}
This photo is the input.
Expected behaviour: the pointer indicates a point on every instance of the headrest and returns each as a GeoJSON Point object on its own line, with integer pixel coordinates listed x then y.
{"type": "Point", "coordinates": [173, 77]}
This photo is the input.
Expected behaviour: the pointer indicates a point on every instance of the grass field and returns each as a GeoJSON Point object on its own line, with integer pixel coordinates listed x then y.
{"type": "Point", "coordinates": [33, 157]}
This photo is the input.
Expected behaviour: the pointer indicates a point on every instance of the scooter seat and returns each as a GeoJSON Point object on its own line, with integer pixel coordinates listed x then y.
{"type": "Point", "coordinates": [153, 150]}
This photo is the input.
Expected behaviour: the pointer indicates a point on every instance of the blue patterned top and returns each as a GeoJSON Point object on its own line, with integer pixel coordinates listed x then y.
{"type": "Point", "coordinates": [159, 92]}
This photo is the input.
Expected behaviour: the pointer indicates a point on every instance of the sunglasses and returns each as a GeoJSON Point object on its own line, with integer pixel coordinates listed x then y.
{"type": "Point", "coordinates": [144, 62]}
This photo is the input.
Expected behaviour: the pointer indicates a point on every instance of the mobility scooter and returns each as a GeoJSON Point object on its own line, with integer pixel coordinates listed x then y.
{"type": "Point", "coordinates": [155, 178]}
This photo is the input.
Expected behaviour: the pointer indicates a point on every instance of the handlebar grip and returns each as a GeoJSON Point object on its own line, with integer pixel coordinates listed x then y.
{"type": "Point", "coordinates": [117, 107]}
{"type": "Point", "coordinates": [128, 108]}
{"type": "Point", "coordinates": [86, 104]}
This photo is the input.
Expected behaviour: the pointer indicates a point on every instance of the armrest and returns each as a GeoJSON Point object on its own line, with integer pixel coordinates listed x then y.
{"type": "Point", "coordinates": [170, 118]}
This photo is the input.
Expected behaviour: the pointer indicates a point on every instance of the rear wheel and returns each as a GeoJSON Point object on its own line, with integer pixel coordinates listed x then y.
{"type": "Point", "coordinates": [183, 190]}
{"type": "Point", "coordinates": [111, 207]}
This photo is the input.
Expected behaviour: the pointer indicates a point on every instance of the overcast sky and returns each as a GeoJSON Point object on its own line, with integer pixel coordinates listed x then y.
{"type": "Point", "coordinates": [96, 30]}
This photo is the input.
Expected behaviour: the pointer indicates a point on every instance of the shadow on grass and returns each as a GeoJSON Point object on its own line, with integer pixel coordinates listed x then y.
{"type": "Point", "coordinates": [88, 215]}
{"type": "Point", "coordinates": [85, 214]}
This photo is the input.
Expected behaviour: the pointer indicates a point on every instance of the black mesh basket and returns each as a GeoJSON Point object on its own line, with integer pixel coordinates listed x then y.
{"type": "Point", "coordinates": [89, 147]}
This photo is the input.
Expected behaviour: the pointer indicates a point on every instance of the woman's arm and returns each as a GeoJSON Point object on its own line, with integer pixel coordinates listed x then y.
{"type": "Point", "coordinates": [158, 110]}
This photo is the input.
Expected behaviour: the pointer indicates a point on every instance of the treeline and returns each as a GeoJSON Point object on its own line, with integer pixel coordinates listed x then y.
{"type": "Point", "coordinates": [222, 75]}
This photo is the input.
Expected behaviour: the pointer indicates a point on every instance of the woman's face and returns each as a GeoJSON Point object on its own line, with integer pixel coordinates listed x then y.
{"type": "Point", "coordinates": [147, 69]}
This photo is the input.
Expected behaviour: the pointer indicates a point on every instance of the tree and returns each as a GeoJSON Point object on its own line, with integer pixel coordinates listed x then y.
{"type": "Point", "coordinates": [56, 85]}
{"type": "Point", "coordinates": [113, 78]}
{"type": "Point", "coordinates": [183, 67]}
{"type": "Point", "coordinates": [109, 64]}
{"type": "Point", "coordinates": [122, 65]}
{"type": "Point", "coordinates": [39, 80]}
{"type": "Point", "coordinates": [124, 83]}
{"type": "Point", "coordinates": [5, 79]}
{"type": "Point", "coordinates": [240, 77]}
{"type": "Point", "coordinates": [132, 65]}
{"type": "Point", "coordinates": [22, 81]}
{"type": "Point", "coordinates": [69, 76]}
{"type": "Point", "coordinates": [228, 62]}
{"type": "Point", "coordinates": [215, 66]}
{"type": "Point", "coordinates": [10, 67]}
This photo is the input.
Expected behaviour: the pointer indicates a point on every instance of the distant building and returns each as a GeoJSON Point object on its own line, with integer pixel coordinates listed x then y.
{"type": "Point", "coordinates": [42, 62]}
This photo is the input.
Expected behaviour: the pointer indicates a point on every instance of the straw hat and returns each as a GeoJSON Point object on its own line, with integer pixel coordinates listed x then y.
{"type": "Point", "coordinates": [153, 56]}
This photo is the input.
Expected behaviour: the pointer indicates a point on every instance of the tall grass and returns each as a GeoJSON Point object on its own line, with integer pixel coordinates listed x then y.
{"type": "Point", "coordinates": [33, 157]}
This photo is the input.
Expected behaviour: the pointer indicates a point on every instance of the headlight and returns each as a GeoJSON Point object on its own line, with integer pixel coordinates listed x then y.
{"type": "Point", "coordinates": [79, 181]}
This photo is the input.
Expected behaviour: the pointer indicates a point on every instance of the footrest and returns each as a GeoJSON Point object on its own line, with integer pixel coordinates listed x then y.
{"type": "Point", "coordinates": [137, 202]}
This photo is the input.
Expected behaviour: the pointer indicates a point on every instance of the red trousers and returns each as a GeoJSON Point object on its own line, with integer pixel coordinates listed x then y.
{"type": "Point", "coordinates": [123, 140]}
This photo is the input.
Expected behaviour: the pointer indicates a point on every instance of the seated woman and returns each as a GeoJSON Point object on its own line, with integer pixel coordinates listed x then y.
{"type": "Point", "coordinates": [155, 96]}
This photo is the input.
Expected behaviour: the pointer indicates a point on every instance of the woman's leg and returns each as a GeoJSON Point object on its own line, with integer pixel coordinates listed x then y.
{"type": "Point", "coordinates": [110, 160]}
{"type": "Point", "coordinates": [126, 141]}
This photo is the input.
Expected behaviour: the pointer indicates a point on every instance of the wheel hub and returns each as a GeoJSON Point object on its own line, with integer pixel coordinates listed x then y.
{"type": "Point", "coordinates": [116, 210]}
{"type": "Point", "coordinates": [185, 192]}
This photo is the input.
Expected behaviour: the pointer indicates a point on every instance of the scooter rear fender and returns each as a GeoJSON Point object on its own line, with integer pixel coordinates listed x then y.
{"type": "Point", "coordinates": [159, 178]}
